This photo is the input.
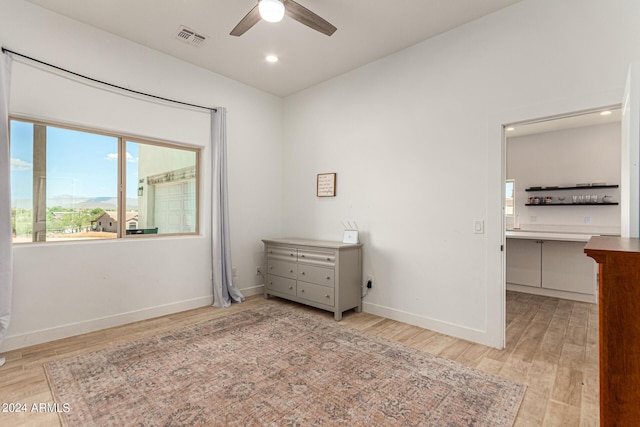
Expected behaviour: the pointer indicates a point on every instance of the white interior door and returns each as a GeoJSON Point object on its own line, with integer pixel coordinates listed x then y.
{"type": "Point", "coordinates": [630, 184]}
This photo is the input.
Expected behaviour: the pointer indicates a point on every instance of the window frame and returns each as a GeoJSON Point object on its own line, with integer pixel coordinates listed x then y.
{"type": "Point", "coordinates": [122, 139]}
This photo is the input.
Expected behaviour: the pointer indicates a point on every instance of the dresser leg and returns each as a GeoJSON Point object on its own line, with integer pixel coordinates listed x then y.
{"type": "Point", "coordinates": [358, 309]}
{"type": "Point", "coordinates": [337, 316]}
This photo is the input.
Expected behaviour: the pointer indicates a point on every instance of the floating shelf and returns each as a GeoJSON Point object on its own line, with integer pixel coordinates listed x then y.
{"type": "Point", "coordinates": [572, 204]}
{"type": "Point", "coordinates": [582, 187]}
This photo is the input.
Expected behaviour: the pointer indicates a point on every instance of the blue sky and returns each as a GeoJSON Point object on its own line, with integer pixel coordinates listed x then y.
{"type": "Point", "coordinates": [78, 163]}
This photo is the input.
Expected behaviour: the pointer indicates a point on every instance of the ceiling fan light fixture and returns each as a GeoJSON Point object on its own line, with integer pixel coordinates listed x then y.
{"type": "Point", "coordinates": [271, 10]}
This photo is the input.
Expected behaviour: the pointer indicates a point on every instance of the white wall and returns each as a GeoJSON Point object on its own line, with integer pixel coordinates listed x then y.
{"type": "Point", "coordinates": [60, 289]}
{"type": "Point", "coordinates": [565, 158]}
{"type": "Point", "coordinates": [415, 139]}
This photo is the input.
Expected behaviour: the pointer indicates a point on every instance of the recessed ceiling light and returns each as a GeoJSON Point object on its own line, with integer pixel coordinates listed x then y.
{"type": "Point", "coordinates": [509, 129]}
{"type": "Point", "coordinates": [271, 58]}
{"type": "Point", "coordinates": [605, 113]}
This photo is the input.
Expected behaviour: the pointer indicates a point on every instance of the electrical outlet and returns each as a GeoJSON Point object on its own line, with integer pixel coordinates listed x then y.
{"type": "Point", "coordinates": [234, 272]}
{"type": "Point", "coordinates": [258, 272]}
{"type": "Point", "coordinates": [370, 281]}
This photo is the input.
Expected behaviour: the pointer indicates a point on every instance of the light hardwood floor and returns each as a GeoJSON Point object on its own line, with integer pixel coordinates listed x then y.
{"type": "Point", "coordinates": [552, 347]}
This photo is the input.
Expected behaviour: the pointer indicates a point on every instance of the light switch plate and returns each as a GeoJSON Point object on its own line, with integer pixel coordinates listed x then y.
{"type": "Point", "coordinates": [478, 226]}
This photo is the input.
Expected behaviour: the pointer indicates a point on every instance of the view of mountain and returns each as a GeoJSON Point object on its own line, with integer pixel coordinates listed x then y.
{"type": "Point", "coordinates": [67, 202]}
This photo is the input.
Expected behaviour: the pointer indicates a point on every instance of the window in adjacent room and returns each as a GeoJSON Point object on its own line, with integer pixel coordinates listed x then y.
{"type": "Point", "coordinates": [511, 219]}
{"type": "Point", "coordinates": [509, 206]}
{"type": "Point", "coordinates": [65, 185]}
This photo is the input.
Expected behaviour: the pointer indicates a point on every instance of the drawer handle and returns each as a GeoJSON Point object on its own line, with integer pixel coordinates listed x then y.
{"type": "Point", "coordinates": [303, 256]}
{"type": "Point", "coordinates": [290, 254]}
{"type": "Point", "coordinates": [303, 273]}
{"type": "Point", "coordinates": [290, 271]}
{"type": "Point", "coordinates": [326, 296]}
{"type": "Point", "coordinates": [271, 267]}
{"type": "Point", "coordinates": [302, 291]}
{"type": "Point", "coordinates": [328, 259]}
{"type": "Point", "coordinates": [270, 282]}
{"type": "Point", "coordinates": [328, 277]}
{"type": "Point", "coordinates": [290, 287]}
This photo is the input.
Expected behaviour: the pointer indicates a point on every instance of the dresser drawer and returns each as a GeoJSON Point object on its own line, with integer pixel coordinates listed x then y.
{"type": "Point", "coordinates": [323, 258]}
{"type": "Point", "coordinates": [320, 294]}
{"type": "Point", "coordinates": [281, 284]}
{"type": "Point", "coordinates": [282, 268]}
{"type": "Point", "coordinates": [318, 275]}
{"type": "Point", "coordinates": [282, 253]}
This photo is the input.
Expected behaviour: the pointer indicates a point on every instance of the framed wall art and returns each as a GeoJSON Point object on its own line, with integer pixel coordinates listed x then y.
{"type": "Point", "coordinates": [326, 185]}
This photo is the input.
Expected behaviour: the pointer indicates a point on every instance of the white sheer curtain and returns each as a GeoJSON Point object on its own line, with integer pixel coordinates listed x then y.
{"type": "Point", "coordinates": [224, 291]}
{"type": "Point", "coordinates": [6, 250]}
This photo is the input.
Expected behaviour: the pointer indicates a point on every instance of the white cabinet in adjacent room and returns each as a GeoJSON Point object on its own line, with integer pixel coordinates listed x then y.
{"type": "Point", "coordinates": [552, 268]}
{"type": "Point", "coordinates": [565, 267]}
{"type": "Point", "coordinates": [523, 262]}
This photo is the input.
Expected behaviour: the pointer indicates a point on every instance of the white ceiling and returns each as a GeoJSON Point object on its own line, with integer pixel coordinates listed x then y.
{"type": "Point", "coordinates": [571, 121]}
{"type": "Point", "coordinates": [367, 30]}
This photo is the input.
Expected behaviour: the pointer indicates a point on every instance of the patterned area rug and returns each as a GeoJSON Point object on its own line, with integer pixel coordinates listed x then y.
{"type": "Point", "coordinates": [275, 365]}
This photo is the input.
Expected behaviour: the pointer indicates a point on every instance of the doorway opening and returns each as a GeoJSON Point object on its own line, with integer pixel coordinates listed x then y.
{"type": "Point", "coordinates": [564, 176]}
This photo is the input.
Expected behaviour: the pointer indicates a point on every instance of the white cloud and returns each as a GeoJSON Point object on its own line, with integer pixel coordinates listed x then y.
{"type": "Point", "coordinates": [130, 158]}
{"type": "Point", "coordinates": [114, 156]}
{"type": "Point", "coordinates": [20, 165]}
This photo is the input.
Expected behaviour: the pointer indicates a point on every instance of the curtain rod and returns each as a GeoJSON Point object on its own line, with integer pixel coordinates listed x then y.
{"type": "Point", "coordinates": [5, 50]}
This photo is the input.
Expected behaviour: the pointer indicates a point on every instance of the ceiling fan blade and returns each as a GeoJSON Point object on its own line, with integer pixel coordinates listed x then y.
{"type": "Point", "coordinates": [308, 18]}
{"type": "Point", "coordinates": [247, 22]}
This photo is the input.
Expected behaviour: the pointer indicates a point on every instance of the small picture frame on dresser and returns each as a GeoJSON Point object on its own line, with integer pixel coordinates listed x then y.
{"type": "Point", "coordinates": [326, 185]}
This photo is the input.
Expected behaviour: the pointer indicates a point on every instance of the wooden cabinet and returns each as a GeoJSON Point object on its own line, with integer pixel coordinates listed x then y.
{"type": "Point", "coordinates": [619, 328]}
{"type": "Point", "coordinates": [550, 267]}
{"type": "Point", "coordinates": [326, 275]}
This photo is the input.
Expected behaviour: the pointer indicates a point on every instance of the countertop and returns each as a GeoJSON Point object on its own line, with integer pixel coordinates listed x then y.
{"type": "Point", "coordinates": [548, 235]}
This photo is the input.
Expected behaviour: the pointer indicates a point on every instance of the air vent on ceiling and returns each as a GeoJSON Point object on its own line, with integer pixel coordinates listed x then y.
{"type": "Point", "coordinates": [189, 36]}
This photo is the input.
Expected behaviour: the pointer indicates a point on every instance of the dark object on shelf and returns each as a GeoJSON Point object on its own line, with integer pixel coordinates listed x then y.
{"type": "Point", "coordinates": [572, 204]}
{"type": "Point", "coordinates": [582, 187]}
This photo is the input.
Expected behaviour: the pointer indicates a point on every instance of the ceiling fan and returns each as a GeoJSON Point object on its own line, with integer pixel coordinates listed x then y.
{"type": "Point", "coordinates": [274, 10]}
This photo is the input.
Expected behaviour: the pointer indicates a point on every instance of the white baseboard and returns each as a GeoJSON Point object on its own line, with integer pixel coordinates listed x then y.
{"type": "Point", "coordinates": [254, 290]}
{"type": "Point", "coordinates": [457, 331]}
{"type": "Point", "coordinates": [12, 342]}
{"type": "Point", "coordinates": [552, 293]}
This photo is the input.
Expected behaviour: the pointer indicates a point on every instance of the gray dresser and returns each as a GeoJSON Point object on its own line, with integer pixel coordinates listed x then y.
{"type": "Point", "coordinates": [322, 274]}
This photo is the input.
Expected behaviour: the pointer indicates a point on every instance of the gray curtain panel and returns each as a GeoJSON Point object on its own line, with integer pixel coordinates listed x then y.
{"type": "Point", "coordinates": [224, 291]}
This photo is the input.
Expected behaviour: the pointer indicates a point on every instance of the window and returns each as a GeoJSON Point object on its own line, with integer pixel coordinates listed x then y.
{"type": "Point", "coordinates": [65, 185]}
{"type": "Point", "coordinates": [509, 199]}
